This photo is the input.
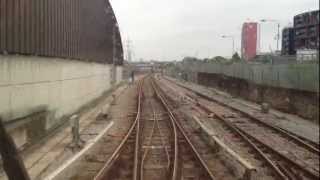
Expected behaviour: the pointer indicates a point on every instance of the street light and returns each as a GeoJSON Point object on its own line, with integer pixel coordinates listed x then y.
{"type": "Point", "coordinates": [232, 37]}
{"type": "Point", "coordinates": [278, 24]}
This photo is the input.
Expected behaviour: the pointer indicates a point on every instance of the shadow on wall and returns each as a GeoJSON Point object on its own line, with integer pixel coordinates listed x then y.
{"type": "Point", "coordinates": [30, 128]}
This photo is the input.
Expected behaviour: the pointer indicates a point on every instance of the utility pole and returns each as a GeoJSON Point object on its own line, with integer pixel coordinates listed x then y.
{"type": "Point", "coordinates": [129, 51]}
{"type": "Point", "coordinates": [233, 46]}
{"type": "Point", "coordinates": [114, 58]}
{"type": "Point", "coordinates": [259, 38]}
{"type": "Point", "coordinates": [278, 36]}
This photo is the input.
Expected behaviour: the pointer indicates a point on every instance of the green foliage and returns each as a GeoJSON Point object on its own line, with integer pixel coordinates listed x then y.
{"type": "Point", "coordinates": [218, 59]}
{"type": "Point", "coordinates": [190, 59]}
{"type": "Point", "coordinates": [206, 60]}
{"type": "Point", "coordinates": [236, 57]}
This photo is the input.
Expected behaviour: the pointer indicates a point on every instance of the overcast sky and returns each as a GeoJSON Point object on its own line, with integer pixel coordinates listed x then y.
{"type": "Point", "coordinates": [172, 29]}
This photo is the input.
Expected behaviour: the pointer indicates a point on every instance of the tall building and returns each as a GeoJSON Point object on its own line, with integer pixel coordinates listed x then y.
{"type": "Point", "coordinates": [249, 40]}
{"type": "Point", "coordinates": [306, 28]}
{"type": "Point", "coordinates": [288, 41]}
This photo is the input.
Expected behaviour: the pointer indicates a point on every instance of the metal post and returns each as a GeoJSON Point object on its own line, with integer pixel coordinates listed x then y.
{"type": "Point", "coordinates": [75, 128]}
{"type": "Point", "coordinates": [259, 36]}
{"type": "Point", "coordinates": [77, 142]}
{"type": "Point", "coordinates": [113, 80]}
{"type": "Point", "coordinates": [278, 36]}
{"type": "Point", "coordinates": [113, 101]}
{"type": "Point", "coordinates": [232, 45]}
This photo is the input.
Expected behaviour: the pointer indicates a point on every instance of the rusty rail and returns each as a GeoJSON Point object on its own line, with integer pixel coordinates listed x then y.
{"type": "Point", "coordinates": [176, 149]}
{"type": "Point", "coordinates": [310, 174]}
{"type": "Point", "coordinates": [309, 145]}
{"type": "Point", "coordinates": [184, 134]}
{"type": "Point", "coordinates": [280, 171]}
{"type": "Point", "coordinates": [105, 169]}
{"type": "Point", "coordinates": [154, 126]}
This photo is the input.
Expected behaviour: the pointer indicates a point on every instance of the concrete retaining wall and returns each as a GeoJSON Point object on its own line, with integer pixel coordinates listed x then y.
{"type": "Point", "coordinates": [58, 86]}
{"type": "Point", "coordinates": [302, 103]}
{"type": "Point", "coordinates": [119, 74]}
{"type": "Point", "coordinates": [292, 88]}
{"type": "Point", "coordinates": [304, 77]}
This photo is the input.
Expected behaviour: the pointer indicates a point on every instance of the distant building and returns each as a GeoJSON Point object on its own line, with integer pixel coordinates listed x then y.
{"type": "Point", "coordinates": [307, 55]}
{"type": "Point", "coordinates": [249, 40]}
{"type": "Point", "coordinates": [288, 41]}
{"type": "Point", "coordinates": [306, 28]}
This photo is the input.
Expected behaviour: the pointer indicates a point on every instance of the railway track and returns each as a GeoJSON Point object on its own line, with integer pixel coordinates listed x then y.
{"type": "Point", "coordinates": [189, 164]}
{"type": "Point", "coordinates": [157, 139]}
{"type": "Point", "coordinates": [157, 146]}
{"type": "Point", "coordinates": [287, 155]}
{"type": "Point", "coordinates": [311, 145]}
{"type": "Point", "coordinates": [123, 159]}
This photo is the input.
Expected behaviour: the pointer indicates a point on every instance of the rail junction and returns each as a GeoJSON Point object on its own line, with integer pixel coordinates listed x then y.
{"type": "Point", "coordinates": [163, 143]}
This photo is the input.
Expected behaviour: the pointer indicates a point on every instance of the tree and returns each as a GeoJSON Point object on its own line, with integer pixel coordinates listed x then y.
{"type": "Point", "coordinates": [189, 59]}
{"type": "Point", "coordinates": [218, 59]}
{"type": "Point", "coordinates": [236, 56]}
{"type": "Point", "coordinates": [206, 60]}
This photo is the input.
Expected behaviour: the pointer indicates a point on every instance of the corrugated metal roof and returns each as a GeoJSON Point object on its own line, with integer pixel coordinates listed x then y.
{"type": "Point", "coordinates": [74, 29]}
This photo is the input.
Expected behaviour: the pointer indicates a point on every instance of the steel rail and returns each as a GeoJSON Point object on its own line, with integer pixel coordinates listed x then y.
{"type": "Point", "coordinates": [136, 174]}
{"type": "Point", "coordinates": [289, 135]}
{"type": "Point", "coordinates": [148, 143]}
{"type": "Point", "coordinates": [293, 136]}
{"type": "Point", "coordinates": [182, 131]}
{"type": "Point", "coordinates": [281, 171]}
{"type": "Point", "coordinates": [157, 126]}
{"type": "Point", "coordinates": [256, 148]}
{"type": "Point", "coordinates": [176, 146]}
{"type": "Point", "coordinates": [309, 173]}
{"type": "Point", "coordinates": [165, 147]}
{"type": "Point", "coordinates": [244, 135]}
{"type": "Point", "coordinates": [163, 142]}
{"type": "Point", "coordinates": [315, 146]}
{"type": "Point", "coordinates": [107, 166]}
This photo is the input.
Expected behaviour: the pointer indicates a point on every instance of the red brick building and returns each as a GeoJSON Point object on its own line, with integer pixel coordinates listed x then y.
{"type": "Point", "coordinates": [249, 40]}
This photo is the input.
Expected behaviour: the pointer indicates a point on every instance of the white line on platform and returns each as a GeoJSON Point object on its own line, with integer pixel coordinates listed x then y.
{"type": "Point", "coordinates": [79, 154]}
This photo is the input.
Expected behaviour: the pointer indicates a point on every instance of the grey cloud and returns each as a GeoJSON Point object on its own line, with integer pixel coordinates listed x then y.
{"type": "Point", "coordinates": [170, 29]}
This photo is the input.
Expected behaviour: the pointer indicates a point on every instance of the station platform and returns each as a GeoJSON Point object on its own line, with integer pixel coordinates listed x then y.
{"type": "Point", "coordinates": [45, 157]}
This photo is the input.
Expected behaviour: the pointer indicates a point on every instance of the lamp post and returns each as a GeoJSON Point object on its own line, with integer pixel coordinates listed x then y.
{"type": "Point", "coordinates": [259, 39]}
{"type": "Point", "coordinates": [232, 37]}
{"type": "Point", "coordinates": [278, 24]}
